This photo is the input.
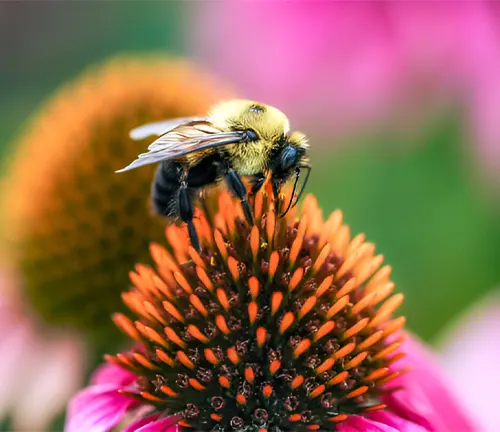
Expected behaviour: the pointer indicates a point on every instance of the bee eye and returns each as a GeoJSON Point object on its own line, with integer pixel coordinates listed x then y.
{"type": "Point", "coordinates": [288, 157]}
{"type": "Point", "coordinates": [250, 135]}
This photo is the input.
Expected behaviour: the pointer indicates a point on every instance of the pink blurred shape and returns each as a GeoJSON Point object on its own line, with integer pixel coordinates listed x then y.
{"type": "Point", "coordinates": [470, 350]}
{"type": "Point", "coordinates": [383, 422]}
{"type": "Point", "coordinates": [310, 58]}
{"type": "Point", "coordinates": [425, 397]}
{"type": "Point", "coordinates": [342, 66]}
{"type": "Point", "coordinates": [39, 370]}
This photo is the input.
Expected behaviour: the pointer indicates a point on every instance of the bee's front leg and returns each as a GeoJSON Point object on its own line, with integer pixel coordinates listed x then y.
{"type": "Point", "coordinates": [276, 185]}
{"type": "Point", "coordinates": [238, 189]}
{"type": "Point", "coordinates": [186, 213]}
{"type": "Point", "coordinates": [257, 183]}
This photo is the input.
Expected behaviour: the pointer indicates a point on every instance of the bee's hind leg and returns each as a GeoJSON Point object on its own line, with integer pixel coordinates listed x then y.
{"type": "Point", "coordinates": [238, 189]}
{"type": "Point", "coordinates": [186, 213]}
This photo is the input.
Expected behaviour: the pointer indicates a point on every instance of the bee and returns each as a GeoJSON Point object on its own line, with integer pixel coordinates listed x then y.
{"type": "Point", "coordinates": [238, 138]}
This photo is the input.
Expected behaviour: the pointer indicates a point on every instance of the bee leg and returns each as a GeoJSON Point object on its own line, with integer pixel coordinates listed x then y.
{"type": "Point", "coordinates": [276, 184]}
{"type": "Point", "coordinates": [238, 189]}
{"type": "Point", "coordinates": [186, 212]}
{"type": "Point", "coordinates": [257, 183]}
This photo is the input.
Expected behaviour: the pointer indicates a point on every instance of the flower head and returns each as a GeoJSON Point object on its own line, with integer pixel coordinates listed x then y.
{"type": "Point", "coordinates": [287, 324]}
{"type": "Point", "coordinates": [73, 226]}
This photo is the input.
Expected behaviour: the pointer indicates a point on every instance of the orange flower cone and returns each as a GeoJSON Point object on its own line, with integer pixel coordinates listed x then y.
{"type": "Point", "coordinates": [286, 324]}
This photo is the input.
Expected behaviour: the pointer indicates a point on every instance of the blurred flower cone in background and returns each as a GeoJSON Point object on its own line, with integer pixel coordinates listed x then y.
{"type": "Point", "coordinates": [71, 227]}
{"type": "Point", "coordinates": [74, 226]}
{"type": "Point", "coordinates": [411, 58]}
{"type": "Point", "coordinates": [290, 324]}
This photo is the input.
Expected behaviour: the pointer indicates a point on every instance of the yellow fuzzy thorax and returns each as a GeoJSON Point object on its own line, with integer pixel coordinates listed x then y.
{"type": "Point", "coordinates": [269, 123]}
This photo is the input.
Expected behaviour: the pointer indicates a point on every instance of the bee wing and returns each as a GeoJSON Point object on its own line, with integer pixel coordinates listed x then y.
{"type": "Point", "coordinates": [185, 139]}
{"type": "Point", "coordinates": [161, 127]}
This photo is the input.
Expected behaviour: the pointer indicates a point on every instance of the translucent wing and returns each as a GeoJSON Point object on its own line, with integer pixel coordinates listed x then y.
{"type": "Point", "coordinates": [161, 127]}
{"type": "Point", "coordinates": [184, 139]}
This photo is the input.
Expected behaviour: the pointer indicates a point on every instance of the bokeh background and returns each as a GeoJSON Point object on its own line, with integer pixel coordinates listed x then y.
{"type": "Point", "coordinates": [400, 102]}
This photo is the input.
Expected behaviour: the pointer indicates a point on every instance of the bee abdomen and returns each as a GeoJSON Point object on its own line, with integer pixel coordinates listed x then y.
{"type": "Point", "coordinates": [164, 190]}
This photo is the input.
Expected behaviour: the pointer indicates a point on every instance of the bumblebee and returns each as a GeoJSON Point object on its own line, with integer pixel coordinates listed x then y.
{"type": "Point", "coordinates": [238, 138]}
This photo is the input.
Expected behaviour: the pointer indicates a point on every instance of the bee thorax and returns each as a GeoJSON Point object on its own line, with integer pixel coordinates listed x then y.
{"type": "Point", "coordinates": [249, 159]}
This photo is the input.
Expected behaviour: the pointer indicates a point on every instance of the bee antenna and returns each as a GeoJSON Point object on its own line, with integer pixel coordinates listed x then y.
{"type": "Point", "coordinates": [297, 176]}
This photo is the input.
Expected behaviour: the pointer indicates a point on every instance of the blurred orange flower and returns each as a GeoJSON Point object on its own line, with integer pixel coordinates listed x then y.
{"type": "Point", "coordinates": [69, 222]}
{"type": "Point", "coordinates": [72, 228]}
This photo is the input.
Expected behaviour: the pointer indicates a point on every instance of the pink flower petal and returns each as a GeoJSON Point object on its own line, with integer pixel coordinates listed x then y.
{"type": "Point", "coordinates": [425, 397]}
{"type": "Point", "coordinates": [151, 424]}
{"type": "Point", "coordinates": [109, 373]}
{"type": "Point", "coordinates": [385, 422]}
{"type": "Point", "coordinates": [345, 426]}
{"type": "Point", "coordinates": [53, 372]}
{"type": "Point", "coordinates": [39, 370]}
{"type": "Point", "coordinates": [137, 425]}
{"type": "Point", "coordinates": [396, 422]}
{"type": "Point", "coordinates": [15, 339]}
{"type": "Point", "coordinates": [16, 335]}
{"type": "Point", "coordinates": [470, 353]}
{"type": "Point", "coordinates": [98, 408]}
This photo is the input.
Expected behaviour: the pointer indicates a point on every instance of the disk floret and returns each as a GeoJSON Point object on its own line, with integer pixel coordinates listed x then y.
{"type": "Point", "coordinates": [283, 325]}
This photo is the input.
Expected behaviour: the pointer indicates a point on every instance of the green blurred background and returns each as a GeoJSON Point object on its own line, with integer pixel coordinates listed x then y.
{"type": "Point", "coordinates": [416, 195]}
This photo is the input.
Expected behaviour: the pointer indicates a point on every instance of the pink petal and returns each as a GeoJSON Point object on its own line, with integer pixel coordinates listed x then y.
{"type": "Point", "coordinates": [151, 424]}
{"type": "Point", "coordinates": [14, 343]}
{"type": "Point", "coordinates": [137, 425]}
{"type": "Point", "coordinates": [109, 373]}
{"type": "Point", "coordinates": [386, 423]}
{"type": "Point", "coordinates": [470, 352]}
{"type": "Point", "coordinates": [345, 426]}
{"type": "Point", "coordinates": [425, 397]}
{"type": "Point", "coordinates": [53, 372]}
{"type": "Point", "coordinates": [98, 408]}
{"type": "Point", "coordinates": [16, 335]}
{"type": "Point", "coordinates": [396, 422]}
{"type": "Point", "coordinates": [39, 370]}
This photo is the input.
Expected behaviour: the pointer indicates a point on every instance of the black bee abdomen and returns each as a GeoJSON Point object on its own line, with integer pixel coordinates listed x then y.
{"type": "Point", "coordinates": [205, 172]}
{"type": "Point", "coordinates": [168, 181]}
{"type": "Point", "coordinates": [164, 189]}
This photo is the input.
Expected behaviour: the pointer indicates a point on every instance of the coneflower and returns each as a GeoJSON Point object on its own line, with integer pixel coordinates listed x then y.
{"type": "Point", "coordinates": [72, 226]}
{"type": "Point", "coordinates": [285, 325]}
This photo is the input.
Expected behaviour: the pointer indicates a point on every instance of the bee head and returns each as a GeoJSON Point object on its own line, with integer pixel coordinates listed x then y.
{"type": "Point", "coordinates": [289, 154]}
{"type": "Point", "coordinates": [288, 159]}
{"type": "Point", "coordinates": [262, 122]}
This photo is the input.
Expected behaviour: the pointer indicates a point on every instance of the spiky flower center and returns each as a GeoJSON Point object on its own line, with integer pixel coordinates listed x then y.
{"type": "Point", "coordinates": [273, 327]}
